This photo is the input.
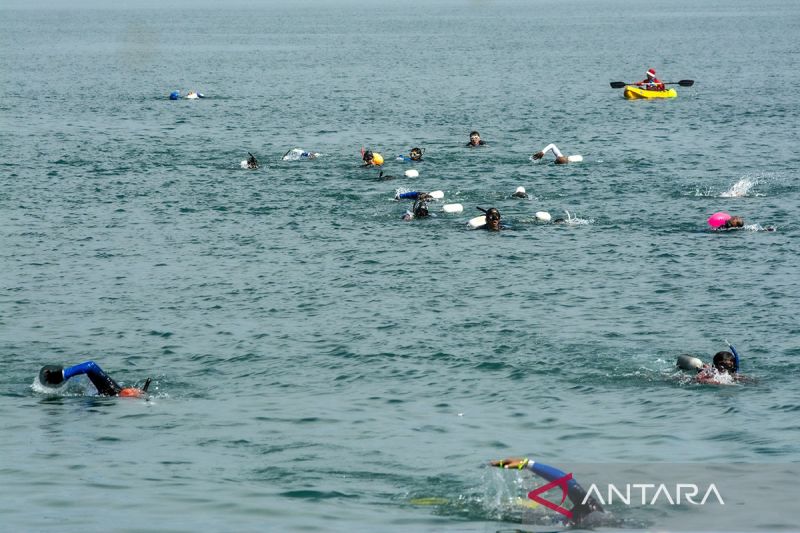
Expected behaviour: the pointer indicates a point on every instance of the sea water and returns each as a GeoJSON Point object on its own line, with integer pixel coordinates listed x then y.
{"type": "Point", "coordinates": [319, 364]}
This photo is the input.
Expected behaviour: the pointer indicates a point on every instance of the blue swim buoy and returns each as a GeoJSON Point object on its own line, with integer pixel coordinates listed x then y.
{"type": "Point", "coordinates": [174, 95]}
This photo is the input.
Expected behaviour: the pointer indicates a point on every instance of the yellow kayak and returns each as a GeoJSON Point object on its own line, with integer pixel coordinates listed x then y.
{"type": "Point", "coordinates": [634, 93]}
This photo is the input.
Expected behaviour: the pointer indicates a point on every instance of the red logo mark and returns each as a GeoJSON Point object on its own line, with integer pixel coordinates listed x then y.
{"type": "Point", "coordinates": [560, 482]}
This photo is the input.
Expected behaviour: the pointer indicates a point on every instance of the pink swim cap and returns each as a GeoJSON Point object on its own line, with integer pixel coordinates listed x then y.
{"type": "Point", "coordinates": [718, 219]}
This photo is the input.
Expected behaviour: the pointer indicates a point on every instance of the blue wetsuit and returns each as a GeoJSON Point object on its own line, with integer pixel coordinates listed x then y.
{"type": "Point", "coordinates": [575, 492]}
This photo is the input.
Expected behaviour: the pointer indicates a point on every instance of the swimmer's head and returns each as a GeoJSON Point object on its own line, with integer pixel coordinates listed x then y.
{"type": "Point", "coordinates": [415, 154]}
{"type": "Point", "coordinates": [421, 209]}
{"type": "Point", "coordinates": [559, 221]}
{"type": "Point", "coordinates": [520, 193]}
{"type": "Point", "coordinates": [368, 156]}
{"type": "Point", "coordinates": [474, 138]}
{"type": "Point", "coordinates": [51, 375]}
{"type": "Point", "coordinates": [725, 362]}
{"type": "Point", "coordinates": [734, 222]}
{"type": "Point", "coordinates": [562, 160]}
{"type": "Point", "coordinates": [493, 219]}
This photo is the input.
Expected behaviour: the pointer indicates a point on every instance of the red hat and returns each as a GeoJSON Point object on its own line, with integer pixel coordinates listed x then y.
{"type": "Point", "coordinates": [651, 73]}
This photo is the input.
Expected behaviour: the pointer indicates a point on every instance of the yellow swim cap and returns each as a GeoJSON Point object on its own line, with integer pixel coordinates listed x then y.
{"type": "Point", "coordinates": [377, 159]}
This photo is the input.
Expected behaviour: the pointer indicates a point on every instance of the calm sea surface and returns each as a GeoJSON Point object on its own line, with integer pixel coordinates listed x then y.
{"type": "Point", "coordinates": [319, 364]}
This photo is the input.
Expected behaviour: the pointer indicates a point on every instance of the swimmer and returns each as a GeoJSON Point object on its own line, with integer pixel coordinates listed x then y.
{"type": "Point", "coordinates": [371, 159]}
{"type": "Point", "coordinates": [420, 208]}
{"type": "Point", "coordinates": [251, 161]}
{"type": "Point", "coordinates": [297, 154]}
{"type": "Point", "coordinates": [582, 513]}
{"type": "Point", "coordinates": [475, 140]}
{"type": "Point", "coordinates": [724, 364]}
{"type": "Point", "coordinates": [386, 177]}
{"type": "Point", "coordinates": [520, 193]}
{"type": "Point", "coordinates": [54, 376]}
{"type": "Point", "coordinates": [723, 221]}
{"type": "Point", "coordinates": [492, 219]}
{"type": "Point", "coordinates": [734, 222]}
{"type": "Point", "coordinates": [414, 155]}
{"type": "Point", "coordinates": [561, 159]}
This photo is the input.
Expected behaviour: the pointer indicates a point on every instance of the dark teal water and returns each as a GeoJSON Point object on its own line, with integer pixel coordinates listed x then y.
{"type": "Point", "coordinates": [319, 364]}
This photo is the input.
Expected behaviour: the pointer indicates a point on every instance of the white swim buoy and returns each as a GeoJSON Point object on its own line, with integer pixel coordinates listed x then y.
{"type": "Point", "coordinates": [452, 208]}
{"type": "Point", "coordinates": [411, 173]}
{"type": "Point", "coordinates": [436, 195]}
{"type": "Point", "coordinates": [574, 158]}
{"type": "Point", "coordinates": [687, 362]}
{"type": "Point", "coordinates": [543, 216]}
{"type": "Point", "coordinates": [477, 222]}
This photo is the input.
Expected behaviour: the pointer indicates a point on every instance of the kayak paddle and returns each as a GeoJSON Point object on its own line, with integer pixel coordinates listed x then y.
{"type": "Point", "coordinates": [682, 83]}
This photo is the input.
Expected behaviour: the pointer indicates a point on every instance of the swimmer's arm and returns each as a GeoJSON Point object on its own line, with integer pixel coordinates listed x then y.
{"type": "Point", "coordinates": [550, 473]}
{"type": "Point", "coordinates": [552, 147]}
{"type": "Point", "coordinates": [102, 381]}
{"type": "Point", "coordinates": [511, 462]}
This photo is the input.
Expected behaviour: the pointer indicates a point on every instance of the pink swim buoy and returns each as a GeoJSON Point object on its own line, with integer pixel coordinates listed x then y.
{"type": "Point", "coordinates": [717, 220]}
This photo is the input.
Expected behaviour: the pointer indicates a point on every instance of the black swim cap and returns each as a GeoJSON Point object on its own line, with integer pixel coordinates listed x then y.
{"type": "Point", "coordinates": [51, 375]}
{"type": "Point", "coordinates": [492, 214]}
{"type": "Point", "coordinates": [725, 362]}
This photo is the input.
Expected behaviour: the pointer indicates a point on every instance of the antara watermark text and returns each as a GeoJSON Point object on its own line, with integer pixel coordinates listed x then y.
{"type": "Point", "coordinates": [651, 494]}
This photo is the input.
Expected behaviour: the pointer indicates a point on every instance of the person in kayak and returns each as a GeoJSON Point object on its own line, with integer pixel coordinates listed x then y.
{"type": "Point", "coordinates": [583, 512]}
{"type": "Point", "coordinates": [561, 159]}
{"type": "Point", "coordinates": [651, 83]}
{"type": "Point", "coordinates": [475, 140]}
{"type": "Point", "coordinates": [54, 376]}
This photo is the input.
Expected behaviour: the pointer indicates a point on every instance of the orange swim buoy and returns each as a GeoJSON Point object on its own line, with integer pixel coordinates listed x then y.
{"type": "Point", "coordinates": [131, 392]}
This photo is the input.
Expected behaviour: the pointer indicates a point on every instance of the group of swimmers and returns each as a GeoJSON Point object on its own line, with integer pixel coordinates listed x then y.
{"type": "Point", "coordinates": [419, 209]}
{"type": "Point", "coordinates": [584, 508]}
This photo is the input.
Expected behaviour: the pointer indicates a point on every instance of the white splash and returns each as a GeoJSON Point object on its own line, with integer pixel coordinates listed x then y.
{"type": "Point", "coordinates": [719, 378]}
{"type": "Point", "coordinates": [759, 227]}
{"type": "Point", "coordinates": [243, 164]}
{"type": "Point", "coordinates": [575, 220]}
{"type": "Point", "coordinates": [740, 188]}
{"type": "Point", "coordinates": [298, 154]}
